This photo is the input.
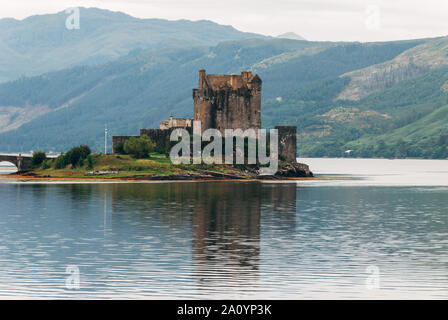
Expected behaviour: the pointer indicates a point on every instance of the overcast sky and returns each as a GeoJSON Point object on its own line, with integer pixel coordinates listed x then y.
{"type": "Point", "coordinates": [335, 20]}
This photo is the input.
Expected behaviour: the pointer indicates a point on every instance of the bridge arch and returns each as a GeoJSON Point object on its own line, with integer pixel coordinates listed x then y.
{"type": "Point", "coordinates": [21, 162]}
{"type": "Point", "coordinates": [7, 167]}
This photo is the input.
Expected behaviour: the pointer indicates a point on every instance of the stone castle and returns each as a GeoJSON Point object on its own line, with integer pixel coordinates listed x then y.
{"type": "Point", "coordinates": [228, 101]}
{"type": "Point", "coordinates": [222, 102]}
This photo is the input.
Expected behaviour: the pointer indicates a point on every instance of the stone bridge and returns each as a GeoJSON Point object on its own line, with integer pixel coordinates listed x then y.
{"type": "Point", "coordinates": [21, 162]}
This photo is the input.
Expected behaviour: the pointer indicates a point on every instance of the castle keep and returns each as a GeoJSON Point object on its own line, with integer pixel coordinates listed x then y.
{"type": "Point", "coordinates": [228, 101]}
{"type": "Point", "coordinates": [222, 102]}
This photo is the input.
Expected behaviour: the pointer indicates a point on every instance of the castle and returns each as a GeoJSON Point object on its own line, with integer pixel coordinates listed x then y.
{"type": "Point", "coordinates": [222, 102]}
{"type": "Point", "coordinates": [228, 101]}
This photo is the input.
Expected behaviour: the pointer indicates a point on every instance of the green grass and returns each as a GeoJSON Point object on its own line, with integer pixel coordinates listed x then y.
{"type": "Point", "coordinates": [127, 166]}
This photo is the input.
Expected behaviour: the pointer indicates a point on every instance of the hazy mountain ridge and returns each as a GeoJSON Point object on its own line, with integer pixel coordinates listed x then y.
{"type": "Point", "coordinates": [291, 35]}
{"type": "Point", "coordinates": [42, 43]}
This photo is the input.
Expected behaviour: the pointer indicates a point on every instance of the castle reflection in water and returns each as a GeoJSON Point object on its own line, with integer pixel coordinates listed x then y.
{"type": "Point", "coordinates": [221, 219]}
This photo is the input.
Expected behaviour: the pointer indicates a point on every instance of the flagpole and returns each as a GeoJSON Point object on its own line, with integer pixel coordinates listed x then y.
{"type": "Point", "coordinates": [105, 139]}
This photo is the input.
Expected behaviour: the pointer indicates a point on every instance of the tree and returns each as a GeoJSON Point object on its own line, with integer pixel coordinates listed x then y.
{"type": "Point", "coordinates": [46, 164]}
{"type": "Point", "coordinates": [60, 162]}
{"type": "Point", "coordinates": [139, 147]}
{"type": "Point", "coordinates": [38, 158]}
{"type": "Point", "coordinates": [401, 149]}
{"type": "Point", "coordinates": [73, 156]}
{"type": "Point", "coordinates": [381, 149]}
{"type": "Point", "coordinates": [443, 140]}
{"type": "Point", "coordinates": [84, 150]}
{"type": "Point", "coordinates": [77, 155]}
{"type": "Point", "coordinates": [90, 162]}
{"type": "Point", "coordinates": [119, 148]}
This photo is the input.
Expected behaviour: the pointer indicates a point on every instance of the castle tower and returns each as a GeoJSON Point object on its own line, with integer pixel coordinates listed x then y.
{"type": "Point", "coordinates": [228, 101]}
{"type": "Point", "coordinates": [287, 142]}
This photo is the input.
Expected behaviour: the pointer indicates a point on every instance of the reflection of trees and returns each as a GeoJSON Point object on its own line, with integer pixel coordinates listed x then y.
{"type": "Point", "coordinates": [170, 203]}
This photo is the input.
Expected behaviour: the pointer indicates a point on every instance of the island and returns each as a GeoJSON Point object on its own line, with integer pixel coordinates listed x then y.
{"type": "Point", "coordinates": [156, 167]}
{"type": "Point", "coordinates": [226, 105]}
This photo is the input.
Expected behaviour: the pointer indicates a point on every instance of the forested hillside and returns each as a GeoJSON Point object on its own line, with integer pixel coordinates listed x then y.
{"type": "Point", "coordinates": [376, 99]}
{"type": "Point", "coordinates": [140, 90]}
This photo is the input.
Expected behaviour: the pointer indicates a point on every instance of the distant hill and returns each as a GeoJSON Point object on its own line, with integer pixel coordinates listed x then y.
{"type": "Point", "coordinates": [290, 35]}
{"type": "Point", "coordinates": [409, 64]}
{"type": "Point", "coordinates": [418, 123]}
{"type": "Point", "coordinates": [42, 43]}
{"type": "Point", "coordinates": [403, 117]}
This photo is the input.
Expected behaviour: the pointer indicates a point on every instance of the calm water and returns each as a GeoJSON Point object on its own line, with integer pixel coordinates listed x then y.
{"type": "Point", "coordinates": [381, 234]}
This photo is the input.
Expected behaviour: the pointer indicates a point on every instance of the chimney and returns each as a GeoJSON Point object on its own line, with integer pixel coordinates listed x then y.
{"type": "Point", "coordinates": [201, 78]}
{"type": "Point", "coordinates": [234, 81]}
{"type": "Point", "coordinates": [246, 75]}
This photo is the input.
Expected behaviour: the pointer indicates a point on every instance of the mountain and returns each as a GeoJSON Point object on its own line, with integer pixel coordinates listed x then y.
{"type": "Point", "coordinates": [138, 91]}
{"type": "Point", "coordinates": [291, 36]}
{"type": "Point", "coordinates": [409, 64]}
{"type": "Point", "coordinates": [394, 120]}
{"type": "Point", "coordinates": [43, 43]}
{"type": "Point", "coordinates": [385, 99]}
{"type": "Point", "coordinates": [418, 110]}
{"type": "Point", "coordinates": [133, 92]}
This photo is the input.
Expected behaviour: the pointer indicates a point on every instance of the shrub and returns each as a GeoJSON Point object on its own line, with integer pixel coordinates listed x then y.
{"type": "Point", "coordinates": [46, 164]}
{"type": "Point", "coordinates": [77, 155]}
{"type": "Point", "coordinates": [38, 158]}
{"type": "Point", "coordinates": [119, 148]}
{"type": "Point", "coordinates": [60, 162]}
{"type": "Point", "coordinates": [139, 147]}
{"type": "Point", "coordinates": [90, 162]}
{"type": "Point", "coordinates": [73, 156]}
{"type": "Point", "coordinates": [85, 151]}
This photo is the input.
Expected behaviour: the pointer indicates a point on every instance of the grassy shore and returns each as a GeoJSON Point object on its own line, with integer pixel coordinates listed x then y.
{"type": "Point", "coordinates": [125, 166]}
{"type": "Point", "coordinates": [155, 167]}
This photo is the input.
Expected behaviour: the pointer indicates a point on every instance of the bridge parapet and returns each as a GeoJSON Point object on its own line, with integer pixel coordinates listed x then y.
{"type": "Point", "coordinates": [21, 162]}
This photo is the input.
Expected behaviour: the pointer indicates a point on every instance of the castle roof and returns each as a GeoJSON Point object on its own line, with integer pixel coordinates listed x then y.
{"type": "Point", "coordinates": [225, 81]}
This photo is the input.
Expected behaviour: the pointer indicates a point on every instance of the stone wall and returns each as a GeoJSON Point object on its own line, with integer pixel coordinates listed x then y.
{"type": "Point", "coordinates": [287, 142]}
{"type": "Point", "coordinates": [117, 140]}
{"type": "Point", "coordinates": [158, 136]}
